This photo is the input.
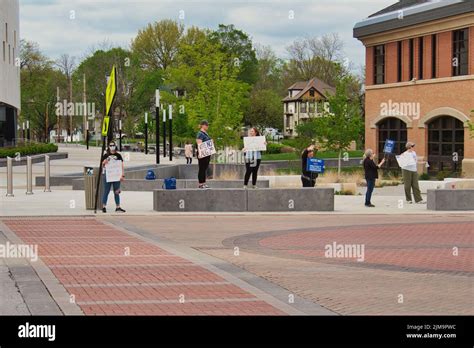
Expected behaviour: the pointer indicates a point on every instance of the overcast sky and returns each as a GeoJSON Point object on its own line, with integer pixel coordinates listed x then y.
{"type": "Point", "coordinates": [267, 22]}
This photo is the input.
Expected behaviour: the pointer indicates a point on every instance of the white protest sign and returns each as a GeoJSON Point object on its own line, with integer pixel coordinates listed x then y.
{"type": "Point", "coordinates": [113, 171]}
{"type": "Point", "coordinates": [405, 160]}
{"type": "Point", "coordinates": [255, 144]}
{"type": "Point", "coordinates": [206, 149]}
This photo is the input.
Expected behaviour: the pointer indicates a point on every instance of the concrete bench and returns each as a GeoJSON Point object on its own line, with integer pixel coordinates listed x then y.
{"type": "Point", "coordinates": [449, 199]}
{"type": "Point", "coordinates": [240, 200]}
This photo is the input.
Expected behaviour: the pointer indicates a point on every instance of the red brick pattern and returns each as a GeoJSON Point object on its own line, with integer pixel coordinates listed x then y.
{"type": "Point", "coordinates": [409, 246]}
{"type": "Point", "coordinates": [112, 273]}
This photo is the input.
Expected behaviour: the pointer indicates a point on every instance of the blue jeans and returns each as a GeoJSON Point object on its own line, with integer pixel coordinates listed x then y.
{"type": "Point", "coordinates": [370, 189]}
{"type": "Point", "coordinates": [107, 186]}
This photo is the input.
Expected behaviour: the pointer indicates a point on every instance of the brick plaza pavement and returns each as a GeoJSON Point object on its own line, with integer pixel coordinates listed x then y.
{"type": "Point", "coordinates": [108, 272]}
{"type": "Point", "coordinates": [413, 265]}
{"type": "Point", "coordinates": [254, 264]}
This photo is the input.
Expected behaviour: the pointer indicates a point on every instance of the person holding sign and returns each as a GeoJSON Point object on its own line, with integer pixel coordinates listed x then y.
{"type": "Point", "coordinates": [408, 161]}
{"type": "Point", "coordinates": [253, 157]}
{"type": "Point", "coordinates": [371, 175]}
{"type": "Point", "coordinates": [112, 164]}
{"type": "Point", "coordinates": [308, 178]}
{"type": "Point", "coordinates": [206, 149]}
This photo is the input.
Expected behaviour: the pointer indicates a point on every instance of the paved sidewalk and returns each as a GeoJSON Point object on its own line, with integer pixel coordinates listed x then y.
{"type": "Point", "coordinates": [109, 272]}
{"type": "Point", "coordinates": [62, 202]}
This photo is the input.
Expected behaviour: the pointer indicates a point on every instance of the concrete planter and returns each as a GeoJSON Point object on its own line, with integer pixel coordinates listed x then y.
{"type": "Point", "coordinates": [446, 199]}
{"type": "Point", "coordinates": [240, 200]}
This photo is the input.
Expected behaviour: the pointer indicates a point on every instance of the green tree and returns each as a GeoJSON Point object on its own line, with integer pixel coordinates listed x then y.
{"type": "Point", "coordinates": [340, 123]}
{"type": "Point", "coordinates": [265, 109]}
{"type": "Point", "coordinates": [39, 80]}
{"type": "Point", "coordinates": [238, 46]}
{"type": "Point", "coordinates": [213, 89]}
{"type": "Point", "coordinates": [157, 44]}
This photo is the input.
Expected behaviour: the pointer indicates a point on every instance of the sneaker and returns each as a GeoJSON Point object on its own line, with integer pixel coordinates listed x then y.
{"type": "Point", "coordinates": [421, 202]}
{"type": "Point", "coordinates": [370, 206]}
{"type": "Point", "coordinates": [205, 186]}
{"type": "Point", "coordinates": [119, 210]}
{"type": "Point", "coordinates": [104, 210]}
{"type": "Point", "coordinates": [409, 202]}
{"type": "Point", "coordinates": [255, 187]}
{"type": "Point", "coordinates": [245, 187]}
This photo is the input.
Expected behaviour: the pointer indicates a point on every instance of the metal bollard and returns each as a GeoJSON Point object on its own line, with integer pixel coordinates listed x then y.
{"type": "Point", "coordinates": [47, 174]}
{"type": "Point", "coordinates": [29, 176]}
{"type": "Point", "coordinates": [10, 177]}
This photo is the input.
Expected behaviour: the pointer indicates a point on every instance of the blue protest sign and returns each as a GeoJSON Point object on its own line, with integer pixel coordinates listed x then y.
{"type": "Point", "coordinates": [389, 146]}
{"type": "Point", "coordinates": [315, 165]}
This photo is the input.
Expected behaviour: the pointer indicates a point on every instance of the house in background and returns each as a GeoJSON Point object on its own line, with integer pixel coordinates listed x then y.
{"type": "Point", "coordinates": [304, 100]}
{"type": "Point", "coordinates": [9, 71]}
{"type": "Point", "coordinates": [420, 81]}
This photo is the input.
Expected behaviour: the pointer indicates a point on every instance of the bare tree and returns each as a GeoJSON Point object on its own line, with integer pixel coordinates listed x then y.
{"type": "Point", "coordinates": [67, 65]}
{"type": "Point", "coordinates": [317, 57]}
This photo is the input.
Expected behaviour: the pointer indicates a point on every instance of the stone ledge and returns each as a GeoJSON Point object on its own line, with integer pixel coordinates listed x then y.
{"type": "Point", "coordinates": [448, 199]}
{"type": "Point", "coordinates": [241, 200]}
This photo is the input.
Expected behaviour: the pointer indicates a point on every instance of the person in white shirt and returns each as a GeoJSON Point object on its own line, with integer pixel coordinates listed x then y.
{"type": "Point", "coordinates": [410, 177]}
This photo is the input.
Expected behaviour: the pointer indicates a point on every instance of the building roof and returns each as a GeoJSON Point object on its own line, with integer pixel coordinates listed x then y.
{"type": "Point", "coordinates": [304, 86]}
{"type": "Point", "coordinates": [398, 6]}
{"type": "Point", "coordinates": [414, 12]}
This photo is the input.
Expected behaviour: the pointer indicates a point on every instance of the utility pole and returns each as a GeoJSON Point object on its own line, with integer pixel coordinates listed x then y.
{"type": "Point", "coordinates": [58, 117]}
{"type": "Point", "coordinates": [70, 100]}
{"type": "Point", "coordinates": [85, 120]}
{"type": "Point", "coordinates": [46, 133]}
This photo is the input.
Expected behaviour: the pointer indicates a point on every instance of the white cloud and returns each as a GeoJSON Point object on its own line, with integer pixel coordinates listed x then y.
{"type": "Point", "coordinates": [48, 22]}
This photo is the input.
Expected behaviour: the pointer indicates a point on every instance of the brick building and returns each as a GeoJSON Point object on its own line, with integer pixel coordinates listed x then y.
{"type": "Point", "coordinates": [420, 81]}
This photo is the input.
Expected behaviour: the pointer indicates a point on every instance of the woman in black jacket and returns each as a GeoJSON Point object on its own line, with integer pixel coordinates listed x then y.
{"type": "Point", "coordinates": [308, 178]}
{"type": "Point", "coordinates": [371, 174]}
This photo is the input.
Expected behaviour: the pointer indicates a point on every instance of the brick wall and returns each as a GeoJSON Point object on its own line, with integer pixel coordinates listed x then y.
{"type": "Point", "coordinates": [369, 66]}
{"type": "Point", "coordinates": [391, 62]}
{"type": "Point", "coordinates": [445, 54]}
{"type": "Point", "coordinates": [427, 62]}
{"type": "Point", "coordinates": [471, 50]}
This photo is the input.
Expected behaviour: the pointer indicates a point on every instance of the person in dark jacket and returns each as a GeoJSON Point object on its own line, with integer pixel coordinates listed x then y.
{"type": "Point", "coordinates": [371, 174]}
{"type": "Point", "coordinates": [308, 178]}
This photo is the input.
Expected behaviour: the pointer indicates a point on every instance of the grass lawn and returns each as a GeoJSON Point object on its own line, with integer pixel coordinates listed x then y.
{"type": "Point", "coordinates": [294, 156]}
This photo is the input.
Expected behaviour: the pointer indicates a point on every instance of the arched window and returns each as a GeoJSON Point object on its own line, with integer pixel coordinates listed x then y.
{"type": "Point", "coordinates": [394, 129]}
{"type": "Point", "coordinates": [445, 144]}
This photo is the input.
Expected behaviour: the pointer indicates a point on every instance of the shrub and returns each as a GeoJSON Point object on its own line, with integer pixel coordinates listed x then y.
{"type": "Point", "coordinates": [424, 176]}
{"type": "Point", "coordinates": [273, 148]}
{"type": "Point", "coordinates": [440, 176]}
{"type": "Point", "coordinates": [28, 149]}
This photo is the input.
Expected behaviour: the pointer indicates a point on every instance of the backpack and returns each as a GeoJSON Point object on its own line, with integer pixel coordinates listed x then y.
{"type": "Point", "coordinates": [169, 183]}
{"type": "Point", "coordinates": [150, 175]}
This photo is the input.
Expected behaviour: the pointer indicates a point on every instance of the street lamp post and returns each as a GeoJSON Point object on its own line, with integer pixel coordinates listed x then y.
{"type": "Point", "coordinates": [157, 125]}
{"type": "Point", "coordinates": [146, 133]}
{"type": "Point", "coordinates": [164, 133]}
{"type": "Point", "coordinates": [120, 134]}
{"type": "Point", "coordinates": [171, 131]}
